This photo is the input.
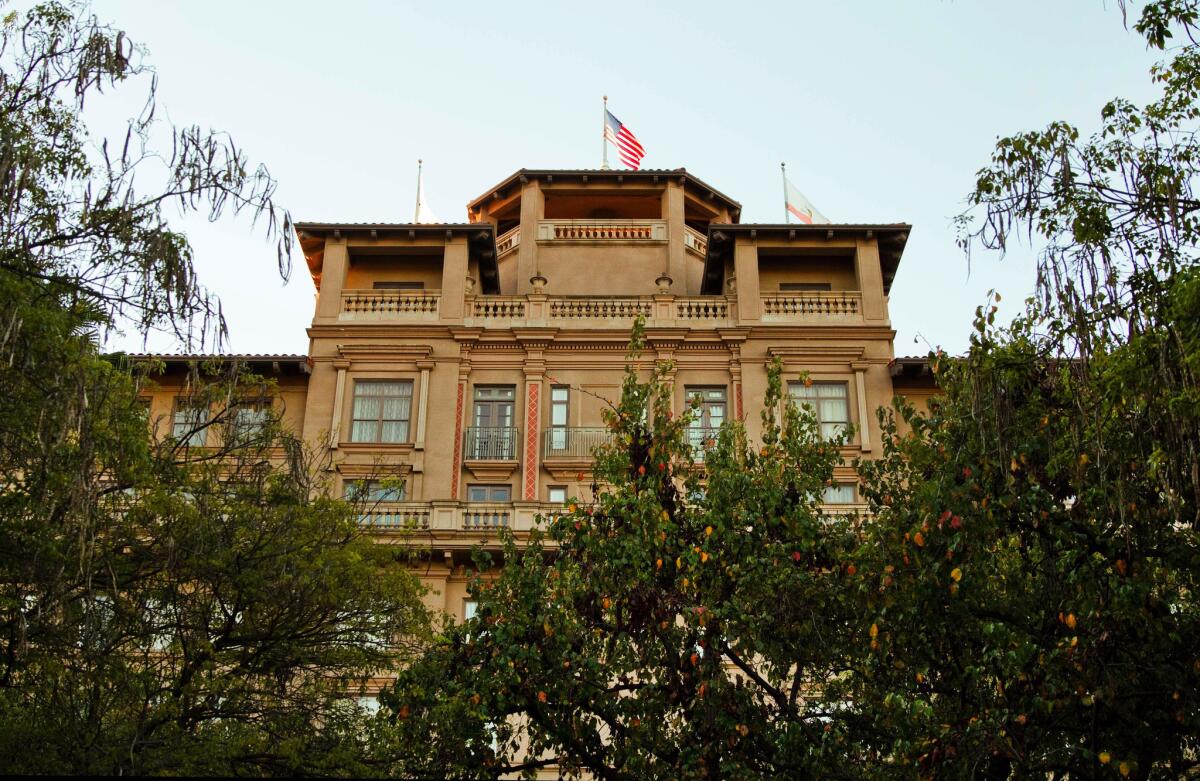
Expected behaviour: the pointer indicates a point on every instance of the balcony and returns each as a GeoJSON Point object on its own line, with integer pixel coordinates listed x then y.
{"type": "Point", "coordinates": [701, 439]}
{"type": "Point", "coordinates": [410, 305]}
{"type": "Point", "coordinates": [451, 517]}
{"type": "Point", "coordinates": [838, 306]}
{"type": "Point", "coordinates": [695, 242]}
{"type": "Point", "coordinates": [508, 241]}
{"type": "Point", "coordinates": [602, 231]}
{"type": "Point", "coordinates": [490, 443]}
{"type": "Point", "coordinates": [601, 311]}
{"type": "Point", "coordinates": [573, 444]}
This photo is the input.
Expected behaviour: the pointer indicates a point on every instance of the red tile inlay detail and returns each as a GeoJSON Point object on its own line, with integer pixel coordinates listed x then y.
{"type": "Point", "coordinates": [531, 442]}
{"type": "Point", "coordinates": [737, 392]}
{"type": "Point", "coordinates": [458, 421]}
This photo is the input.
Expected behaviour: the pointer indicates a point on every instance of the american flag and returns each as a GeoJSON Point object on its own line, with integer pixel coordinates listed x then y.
{"type": "Point", "coordinates": [630, 150]}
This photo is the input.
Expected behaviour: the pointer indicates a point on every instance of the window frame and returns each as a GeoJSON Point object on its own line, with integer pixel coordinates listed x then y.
{"type": "Point", "coordinates": [373, 491]}
{"type": "Point", "coordinates": [559, 437]}
{"type": "Point", "coordinates": [844, 384]}
{"type": "Point", "coordinates": [198, 428]}
{"type": "Point", "coordinates": [379, 420]}
{"type": "Point", "coordinates": [489, 488]}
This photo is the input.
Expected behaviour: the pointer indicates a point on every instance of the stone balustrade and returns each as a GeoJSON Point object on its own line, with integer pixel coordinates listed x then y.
{"type": "Point", "coordinates": [507, 242]}
{"type": "Point", "coordinates": [839, 306]}
{"type": "Point", "coordinates": [451, 517]}
{"type": "Point", "coordinates": [390, 304]}
{"type": "Point", "coordinates": [694, 241]}
{"type": "Point", "coordinates": [624, 231]}
{"type": "Point", "coordinates": [599, 308]}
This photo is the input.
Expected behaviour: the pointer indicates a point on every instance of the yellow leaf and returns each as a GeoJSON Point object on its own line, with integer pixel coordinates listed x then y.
{"type": "Point", "coordinates": [874, 630]}
{"type": "Point", "coordinates": [956, 574]}
{"type": "Point", "coordinates": [1105, 757]}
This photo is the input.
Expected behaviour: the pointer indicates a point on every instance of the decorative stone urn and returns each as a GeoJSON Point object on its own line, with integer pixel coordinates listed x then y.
{"type": "Point", "coordinates": [664, 282]}
{"type": "Point", "coordinates": [731, 283]}
{"type": "Point", "coordinates": [538, 282]}
{"type": "Point", "coordinates": [469, 286]}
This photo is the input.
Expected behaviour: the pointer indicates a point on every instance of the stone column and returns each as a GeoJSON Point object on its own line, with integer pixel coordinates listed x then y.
{"type": "Point", "coordinates": [454, 278]}
{"type": "Point", "coordinates": [745, 267]}
{"type": "Point", "coordinates": [422, 403]}
{"type": "Point", "coordinates": [870, 280]}
{"type": "Point", "coordinates": [676, 253]}
{"type": "Point", "coordinates": [334, 264]}
{"type": "Point", "coordinates": [864, 422]}
{"type": "Point", "coordinates": [533, 208]}
{"type": "Point", "coordinates": [339, 400]}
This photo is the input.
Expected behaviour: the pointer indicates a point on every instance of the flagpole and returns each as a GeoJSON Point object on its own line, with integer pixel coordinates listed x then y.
{"type": "Point", "coordinates": [604, 132]}
{"type": "Point", "coordinates": [786, 214]}
{"type": "Point", "coordinates": [417, 208]}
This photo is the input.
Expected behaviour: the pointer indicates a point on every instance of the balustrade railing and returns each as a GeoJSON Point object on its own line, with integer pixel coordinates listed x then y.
{"type": "Point", "coordinates": [486, 516]}
{"type": "Point", "coordinates": [700, 439]}
{"type": "Point", "coordinates": [597, 307]}
{"type": "Point", "coordinates": [395, 516]}
{"type": "Point", "coordinates": [391, 302]}
{"type": "Point", "coordinates": [508, 242]}
{"type": "Point", "coordinates": [695, 241]}
{"type": "Point", "coordinates": [490, 443]}
{"type": "Point", "coordinates": [840, 303]}
{"type": "Point", "coordinates": [498, 307]}
{"type": "Point", "coordinates": [574, 443]}
{"type": "Point", "coordinates": [702, 309]}
{"type": "Point", "coordinates": [602, 230]}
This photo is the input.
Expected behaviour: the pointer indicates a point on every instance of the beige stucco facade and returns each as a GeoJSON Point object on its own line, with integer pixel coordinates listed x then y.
{"type": "Point", "coordinates": [502, 336]}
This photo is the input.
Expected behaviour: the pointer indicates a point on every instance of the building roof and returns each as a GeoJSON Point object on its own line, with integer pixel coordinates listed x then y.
{"type": "Point", "coordinates": [481, 238]}
{"type": "Point", "coordinates": [610, 174]}
{"type": "Point", "coordinates": [892, 239]}
{"type": "Point", "coordinates": [278, 363]}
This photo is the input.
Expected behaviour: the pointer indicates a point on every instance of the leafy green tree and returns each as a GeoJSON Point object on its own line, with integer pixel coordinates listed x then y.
{"type": "Point", "coordinates": [1033, 563]}
{"type": "Point", "coordinates": [163, 608]}
{"type": "Point", "coordinates": [686, 621]}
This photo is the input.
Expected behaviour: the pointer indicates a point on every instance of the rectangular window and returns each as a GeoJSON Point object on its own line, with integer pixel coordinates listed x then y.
{"type": "Point", "coordinates": [398, 285]}
{"type": "Point", "coordinates": [470, 608]}
{"type": "Point", "coordinates": [838, 493]}
{"type": "Point", "coordinates": [247, 419]}
{"type": "Point", "coordinates": [709, 416]}
{"type": "Point", "coordinates": [559, 406]}
{"type": "Point", "coordinates": [492, 435]}
{"type": "Point", "coordinates": [188, 424]}
{"type": "Point", "coordinates": [374, 490]}
{"type": "Point", "coordinates": [829, 401]}
{"type": "Point", "coordinates": [381, 411]}
{"type": "Point", "coordinates": [804, 287]}
{"type": "Point", "coordinates": [489, 493]}
{"type": "Point", "coordinates": [557, 494]}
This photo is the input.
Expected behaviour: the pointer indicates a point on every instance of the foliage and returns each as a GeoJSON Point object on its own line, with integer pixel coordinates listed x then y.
{"type": "Point", "coordinates": [163, 608]}
{"type": "Point", "coordinates": [676, 625]}
{"type": "Point", "coordinates": [1033, 562]}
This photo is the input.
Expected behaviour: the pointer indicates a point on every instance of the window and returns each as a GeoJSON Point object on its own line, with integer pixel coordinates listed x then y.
{"type": "Point", "coordinates": [557, 494]}
{"type": "Point", "coordinates": [398, 286]}
{"type": "Point", "coordinates": [381, 411]}
{"type": "Point", "coordinates": [492, 435]}
{"type": "Point", "coordinates": [188, 424]}
{"type": "Point", "coordinates": [709, 416]}
{"type": "Point", "coordinates": [559, 405]}
{"type": "Point", "coordinates": [373, 491]}
{"type": "Point", "coordinates": [838, 493]}
{"type": "Point", "coordinates": [247, 419]}
{"type": "Point", "coordinates": [829, 401]}
{"type": "Point", "coordinates": [489, 493]}
{"type": "Point", "coordinates": [470, 607]}
{"type": "Point", "coordinates": [804, 287]}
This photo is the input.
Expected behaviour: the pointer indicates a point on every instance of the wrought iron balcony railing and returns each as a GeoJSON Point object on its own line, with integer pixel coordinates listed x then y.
{"type": "Point", "coordinates": [490, 443]}
{"type": "Point", "coordinates": [574, 443]}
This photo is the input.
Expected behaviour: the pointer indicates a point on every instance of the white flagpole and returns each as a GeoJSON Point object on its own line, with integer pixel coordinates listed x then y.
{"type": "Point", "coordinates": [417, 208]}
{"type": "Point", "coordinates": [787, 216]}
{"type": "Point", "coordinates": [604, 133]}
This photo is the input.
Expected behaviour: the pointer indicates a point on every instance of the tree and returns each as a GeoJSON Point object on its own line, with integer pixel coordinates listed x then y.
{"type": "Point", "coordinates": [685, 621]}
{"type": "Point", "coordinates": [163, 609]}
{"type": "Point", "coordinates": [1033, 562]}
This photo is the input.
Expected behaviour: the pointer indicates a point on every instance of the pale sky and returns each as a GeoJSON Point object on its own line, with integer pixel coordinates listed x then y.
{"type": "Point", "coordinates": [883, 112]}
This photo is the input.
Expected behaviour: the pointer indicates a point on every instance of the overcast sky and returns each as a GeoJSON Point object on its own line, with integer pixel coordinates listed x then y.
{"type": "Point", "coordinates": [883, 112]}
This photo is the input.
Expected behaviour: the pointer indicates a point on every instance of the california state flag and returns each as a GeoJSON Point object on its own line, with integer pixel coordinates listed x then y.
{"type": "Point", "coordinates": [800, 207]}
